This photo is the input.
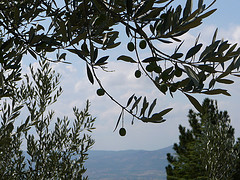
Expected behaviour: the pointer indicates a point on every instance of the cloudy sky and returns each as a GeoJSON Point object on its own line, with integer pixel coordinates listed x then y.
{"type": "Point", "coordinates": [122, 84]}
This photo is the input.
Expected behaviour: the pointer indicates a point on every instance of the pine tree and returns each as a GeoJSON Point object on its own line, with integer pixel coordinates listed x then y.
{"type": "Point", "coordinates": [236, 173]}
{"type": "Point", "coordinates": [187, 164]}
{"type": "Point", "coordinates": [207, 150]}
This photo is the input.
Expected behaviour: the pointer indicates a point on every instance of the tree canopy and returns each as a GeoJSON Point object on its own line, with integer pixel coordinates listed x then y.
{"type": "Point", "coordinates": [87, 27]}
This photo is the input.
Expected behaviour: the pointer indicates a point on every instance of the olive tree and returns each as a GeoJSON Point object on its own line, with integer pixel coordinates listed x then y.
{"type": "Point", "coordinates": [54, 149]}
{"type": "Point", "coordinates": [87, 28]}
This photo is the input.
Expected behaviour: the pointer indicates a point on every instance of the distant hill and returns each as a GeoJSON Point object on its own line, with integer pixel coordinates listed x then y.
{"type": "Point", "coordinates": [127, 165]}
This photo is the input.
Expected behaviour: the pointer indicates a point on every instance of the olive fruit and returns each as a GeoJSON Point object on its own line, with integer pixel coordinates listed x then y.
{"type": "Point", "coordinates": [157, 69]}
{"type": "Point", "coordinates": [178, 72]}
{"type": "Point", "coordinates": [122, 132]}
{"type": "Point", "coordinates": [142, 44]}
{"type": "Point", "coordinates": [100, 92]}
{"type": "Point", "coordinates": [163, 88]}
{"type": "Point", "coordinates": [130, 46]}
{"type": "Point", "coordinates": [173, 88]}
{"type": "Point", "coordinates": [137, 73]}
{"type": "Point", "coordinates": [149, 67]}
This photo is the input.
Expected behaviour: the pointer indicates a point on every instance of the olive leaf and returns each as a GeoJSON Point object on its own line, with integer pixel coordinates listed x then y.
{"type": "Point", "coordinates": [119, 118]}
{"type": "Point", "coordinates": [194, 50]}
{"type": "Point", "coordinates": [126, 59]}
{"type": "Point", "coordinates": [89, 74]}
{"type": "Point", "coordinates": [195, 103]}
{"type": "Point", "coordinates": [152, 106]}
{"type": "Point", "coordinates": [102, 60]}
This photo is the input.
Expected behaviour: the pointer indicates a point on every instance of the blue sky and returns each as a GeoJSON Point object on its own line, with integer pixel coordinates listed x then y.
{"type": "Point", "coordinates": [122, 83]}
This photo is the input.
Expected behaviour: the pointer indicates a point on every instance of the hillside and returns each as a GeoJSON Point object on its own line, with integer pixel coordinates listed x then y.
{"type": "Point", "coordinates": [127, 165]}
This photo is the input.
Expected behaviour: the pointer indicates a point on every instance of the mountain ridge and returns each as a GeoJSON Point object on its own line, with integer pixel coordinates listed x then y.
{"type": "Point", "coordinates": [127, 164]}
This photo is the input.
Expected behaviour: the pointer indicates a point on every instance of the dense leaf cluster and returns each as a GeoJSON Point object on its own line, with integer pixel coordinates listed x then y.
{"type": "Point", "coordinates": [88, 27]}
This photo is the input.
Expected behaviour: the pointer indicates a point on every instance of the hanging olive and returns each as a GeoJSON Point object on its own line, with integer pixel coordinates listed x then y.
{"type": "Point", "coordinates": [138, 73]}
{"type": "Point", "coordinates": [122, 132]}
{"type": "Point", "coordinates": [130, 46]}
{"type": "Point", "coordinates": [100, 92]}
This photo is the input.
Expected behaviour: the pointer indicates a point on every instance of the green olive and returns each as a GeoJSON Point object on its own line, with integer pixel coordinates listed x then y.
{"type": "Point", "coordinates": [157, 69]}
{"type": "Point", "coordinates": [122, 132]}
{"type": "Point", "coordinates": [142, 44]}
{"type": "Point", "coordinates": [173, 88]}
{"type": "Point", "coordinates": [178, 72]}
{"type": "Point", "coordinates": [150, 68]}
{"type": "Point", "coordinates": [138, 73]}
{"type": "Point", "coordinates": [100, 92]}
{"type": "Point", "coordinates": [163, 88]}
{"type": "Point", "coordinates": [130, 46]}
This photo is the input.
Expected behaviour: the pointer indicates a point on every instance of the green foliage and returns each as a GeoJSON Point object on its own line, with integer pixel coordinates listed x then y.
{"type": "Point", "coordinates": [208, 149]}
{"type": "Point", "coordinates": [55, 148]}
{"type": "Point", "coordinates": [88, 28]}
{"type": "Point", "coordinates": [236, 171]}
